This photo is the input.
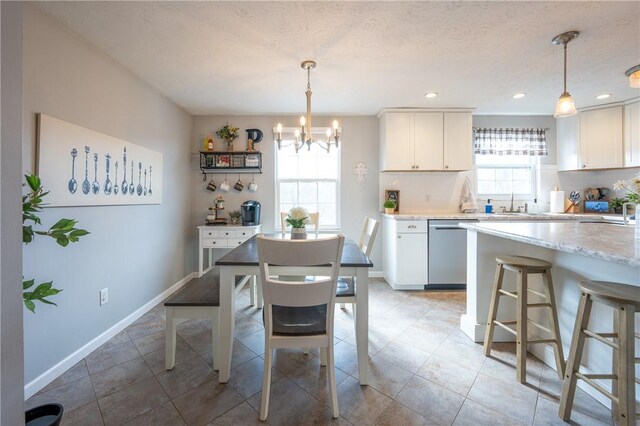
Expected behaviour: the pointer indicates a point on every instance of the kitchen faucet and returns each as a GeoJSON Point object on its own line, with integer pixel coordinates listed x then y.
{"type": "Point", "coordinates": [511, 209]}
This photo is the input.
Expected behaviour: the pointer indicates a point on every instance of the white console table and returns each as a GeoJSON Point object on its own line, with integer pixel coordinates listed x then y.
{"type": "Point", "coordinates": [221, 237]}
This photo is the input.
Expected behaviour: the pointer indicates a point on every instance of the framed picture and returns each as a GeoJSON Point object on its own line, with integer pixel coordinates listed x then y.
{"type": "Point", "coordinates": [83, 167]}
{"type": "Point", "coordinates": [394, 195]}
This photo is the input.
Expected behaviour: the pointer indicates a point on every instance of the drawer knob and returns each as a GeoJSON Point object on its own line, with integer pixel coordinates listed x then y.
{"type": "Point", "coordinates": [399, 237]}
{"type": "Point", "coordinates": [446, 167]}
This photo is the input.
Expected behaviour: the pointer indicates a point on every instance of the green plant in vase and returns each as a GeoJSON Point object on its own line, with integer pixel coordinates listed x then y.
{"type": "Point", "coordinates": [235, 216]}
{"type": "Point", "coordinates": [228, 134]}
{"type": "Point", "coordinates": [616, 204]}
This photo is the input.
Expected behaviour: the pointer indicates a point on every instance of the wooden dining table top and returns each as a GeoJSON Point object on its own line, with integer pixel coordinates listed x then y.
{"type": "Point", "coordinates": [246, 254]}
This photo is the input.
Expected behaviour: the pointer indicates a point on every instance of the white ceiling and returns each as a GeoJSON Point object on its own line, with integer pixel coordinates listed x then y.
{"type": "Point", "coordinates": [244, 57]}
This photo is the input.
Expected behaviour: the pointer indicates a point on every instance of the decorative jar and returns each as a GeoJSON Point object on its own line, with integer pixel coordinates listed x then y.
{"type": "Point", "coordinates": [298, 233]}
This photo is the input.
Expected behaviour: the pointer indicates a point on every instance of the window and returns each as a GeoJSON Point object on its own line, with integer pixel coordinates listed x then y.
{"type": "Point", "coordinates": [507, 160]}
{"type": "Point", "coordinates": [308, 179]}
{"type": "Point", "coordinates": [501, 175]}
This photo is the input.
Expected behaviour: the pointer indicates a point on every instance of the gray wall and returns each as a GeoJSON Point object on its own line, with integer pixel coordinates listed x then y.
{"type": "Point", "coordinates": [524, 121]}
{"type": "Point", "coordinates": [359, 143]}
{"type": "Point", "coordinates": [11, 337]}
{"type": "Point", "coordinates": [135, 251]}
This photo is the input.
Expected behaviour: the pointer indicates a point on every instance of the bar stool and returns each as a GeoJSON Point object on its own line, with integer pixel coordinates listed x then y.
{"type": "Point", "coordinates": [625, 299]}
{"type": "Point", "coordinates": [524, 266]}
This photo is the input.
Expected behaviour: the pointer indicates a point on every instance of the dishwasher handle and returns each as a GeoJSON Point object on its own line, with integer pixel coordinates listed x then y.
{"type": "Point", "coordinates": [446, 227]}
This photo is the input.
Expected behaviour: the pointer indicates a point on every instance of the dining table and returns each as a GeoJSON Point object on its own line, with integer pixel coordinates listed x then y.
{"type": "Point", "coordinates": [243, 261]}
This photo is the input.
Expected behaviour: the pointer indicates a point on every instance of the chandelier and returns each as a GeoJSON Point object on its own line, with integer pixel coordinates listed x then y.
{"type": "Point", "coordinates": [305, 134]}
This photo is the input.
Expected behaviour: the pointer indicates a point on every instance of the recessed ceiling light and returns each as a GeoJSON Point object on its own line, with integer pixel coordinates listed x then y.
{"type": "Point", "coordinates": [519, 95]}
{"type": "Point", "coordinates": [604, 96]}
{"type": "Point", "coordinates": [431, 95]}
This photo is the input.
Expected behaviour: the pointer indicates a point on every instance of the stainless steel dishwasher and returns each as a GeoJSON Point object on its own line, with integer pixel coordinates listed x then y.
{"type": "Point", "coordinates": [447, 255]}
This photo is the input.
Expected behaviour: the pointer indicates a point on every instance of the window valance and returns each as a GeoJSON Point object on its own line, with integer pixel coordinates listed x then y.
{"type": "Point", "coordinates": [531, 142]}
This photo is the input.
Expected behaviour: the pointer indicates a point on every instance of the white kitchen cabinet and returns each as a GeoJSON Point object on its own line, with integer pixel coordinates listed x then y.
{"type": "Point", "coordinates": [601, 138]}
{"type": "Point", "coordinates": [425, 140]}
{"type": "Point", "coordinates": [632, 135]}
{"type": "Point", "coordinates": [568, 149]}
{"type": "Point", "coordinates": [405, 253]}
{"type": "Point", "coordinates": [457, 141]}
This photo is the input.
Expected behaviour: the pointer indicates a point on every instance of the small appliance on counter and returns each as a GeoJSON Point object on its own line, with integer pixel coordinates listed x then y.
{"type": "Point", "coordinates": [250, 211]}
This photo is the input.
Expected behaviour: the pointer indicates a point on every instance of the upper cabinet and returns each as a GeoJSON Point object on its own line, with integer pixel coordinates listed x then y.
{"type": "Point", "coordinates": [631, 134]}
{"type": "Point", "coordinates": [599, 138]}
{"type": "Point", "coordinates": [425, 141]}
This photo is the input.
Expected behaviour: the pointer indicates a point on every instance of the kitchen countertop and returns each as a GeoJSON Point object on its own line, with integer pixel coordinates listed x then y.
{"type": "Point", "coordinates": [497, 216]}
{"type": "Point", "coordinates": [610, 242]}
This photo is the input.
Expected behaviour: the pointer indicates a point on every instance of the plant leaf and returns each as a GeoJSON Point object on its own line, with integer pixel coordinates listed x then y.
{"type": "Point", "coordinates": [30, 305]}
{"type": "Point", "coordinates": [27, 284]}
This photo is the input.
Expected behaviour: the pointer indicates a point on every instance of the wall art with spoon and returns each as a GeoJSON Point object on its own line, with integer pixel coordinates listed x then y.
{"type": "Point", "coordinates": [74, 179]}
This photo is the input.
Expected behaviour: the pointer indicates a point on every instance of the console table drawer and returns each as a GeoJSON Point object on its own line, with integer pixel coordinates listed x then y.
{"type": "Point", "coordinates": [228, 233]}
{"type": "Point", "coordinates": [214, 242]}
{"type": "Point", "coordinates": [211, 234]}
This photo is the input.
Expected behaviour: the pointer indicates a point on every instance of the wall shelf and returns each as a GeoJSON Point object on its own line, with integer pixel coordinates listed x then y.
{"type": "Point", "coordinates": [230, 161]}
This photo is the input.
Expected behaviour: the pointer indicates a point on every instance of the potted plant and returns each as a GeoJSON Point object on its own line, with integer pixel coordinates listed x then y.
{"type": "Point", "coordinates": [389, 206]}
{"type": "Point", "coordinates": [228, 134]}
{"type": "Point", "coordinates": [297, 218]}
{"type": "Point", "coordinates": [235, 216]}
{"type": "Point", "coordinates": [219, 202]}
{"type": "Point", "coordinates": [632, 186]}
{"type": "Point", "coordinates": [616, 204]}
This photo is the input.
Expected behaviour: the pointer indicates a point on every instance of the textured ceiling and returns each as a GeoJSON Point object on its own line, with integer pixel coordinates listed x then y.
{"type": "Point", "coordinates": [244, 57]}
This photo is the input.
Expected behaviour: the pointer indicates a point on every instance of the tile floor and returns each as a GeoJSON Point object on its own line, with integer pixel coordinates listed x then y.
{"type": "Point", "coordinates": [423, 371]}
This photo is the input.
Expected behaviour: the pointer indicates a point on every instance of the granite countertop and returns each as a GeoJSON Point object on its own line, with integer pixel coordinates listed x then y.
{"type": "Point", "coordinates": [610, 242]}
{"type": "Point", "coordinates": [497, 216]}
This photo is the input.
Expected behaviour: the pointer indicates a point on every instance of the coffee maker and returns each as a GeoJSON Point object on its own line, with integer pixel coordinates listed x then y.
{"type": "Point", "coordinates": [250, 213]}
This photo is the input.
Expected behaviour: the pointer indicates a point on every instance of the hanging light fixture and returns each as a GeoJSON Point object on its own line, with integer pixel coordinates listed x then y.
{"type": "Point", "coordinates": [565, 106]}
{"type": "Point", "coordinates": [305, 134]}
{"type": "Point", "coordinates": [634, 76]}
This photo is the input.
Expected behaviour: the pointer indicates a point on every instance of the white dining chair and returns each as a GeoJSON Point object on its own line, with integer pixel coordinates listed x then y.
{"type": "Point", "coordinates": [346, 289]}
{"type": "Point", "coordinates": [314, 219]}
{"type": "Point", "coordinates": [299, 314]}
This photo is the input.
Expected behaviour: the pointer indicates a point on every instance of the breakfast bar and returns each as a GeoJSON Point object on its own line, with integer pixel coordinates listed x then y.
{"type": "Point", "coordinates": [578, 251]}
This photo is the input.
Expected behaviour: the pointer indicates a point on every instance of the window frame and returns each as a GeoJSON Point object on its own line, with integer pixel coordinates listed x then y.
{"type": "Point", "coordinates": [337, 180]}
{"type": "Point", "coordinates": [533, 166]}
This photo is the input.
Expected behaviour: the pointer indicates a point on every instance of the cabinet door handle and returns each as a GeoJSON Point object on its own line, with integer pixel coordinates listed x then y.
{"type": "Point", "coordinates": [399, 236]}
{"type": "Point", "coordinates": [584, 166]}
{"type": "Point", "coordinates": [412, 227]}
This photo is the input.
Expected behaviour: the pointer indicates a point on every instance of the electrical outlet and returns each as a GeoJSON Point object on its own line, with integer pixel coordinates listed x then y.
{"type": "Point", "coordinates": [104, 296]}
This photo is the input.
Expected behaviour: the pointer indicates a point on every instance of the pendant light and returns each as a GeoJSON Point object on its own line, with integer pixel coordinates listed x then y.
{"type": "Point", "coordinates": [565, 106]}
{"type": "Point", "coordinates": [634, 76]}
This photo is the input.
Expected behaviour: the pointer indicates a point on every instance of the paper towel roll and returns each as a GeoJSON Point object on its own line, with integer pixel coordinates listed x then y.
{"type": "Point", "coordinates": [556, 199]}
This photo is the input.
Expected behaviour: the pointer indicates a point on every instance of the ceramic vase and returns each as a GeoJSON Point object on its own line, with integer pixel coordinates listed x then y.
{"type": "Point", "coordinates": [298, 233]}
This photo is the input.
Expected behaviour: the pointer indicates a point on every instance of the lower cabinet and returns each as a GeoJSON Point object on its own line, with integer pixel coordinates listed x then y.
{"type": "Point", "coordinates": [405, 253]}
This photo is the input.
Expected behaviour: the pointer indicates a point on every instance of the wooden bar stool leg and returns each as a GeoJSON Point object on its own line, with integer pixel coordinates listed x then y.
{"type": "Point", "coordinates": [575, 356]}
{"type": "Point", "coordinates": [493, 309]}
{"type": "Point", "coordinates": [626, 366]}
{"type": "Point", "coordinates": [614, 363]}
{"type": "Point", "coordinates": [553, 319]}
{"type": "Point", "coordinates": [521, 327]}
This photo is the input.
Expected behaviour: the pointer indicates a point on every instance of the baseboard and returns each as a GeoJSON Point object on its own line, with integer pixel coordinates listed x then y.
{"type": "Point", "coordinates": [375, 274]}
{"type": "Point", "coordinates": [54, 372]}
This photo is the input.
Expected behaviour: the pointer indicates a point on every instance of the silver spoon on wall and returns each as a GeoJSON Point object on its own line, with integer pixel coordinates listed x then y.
{"type": "Point", "coordinates": [86, 186]}
{"type": "Point", "coordinates": [149, 181]}
{"type": "Point", "coordinates": [107, 183]}
{"type": "Point", "coordinates": [115, 187]}
{"type": "Point", "coordinates": [125, 187]}
{"type": "Point", "coordinates": [132, 187]}
{"type": "Point", "coordinates": [95, 186]}
{"type": "Point", "coordinates": [73, 184]}
{"type": "Point", "coordinates": [139, 179]}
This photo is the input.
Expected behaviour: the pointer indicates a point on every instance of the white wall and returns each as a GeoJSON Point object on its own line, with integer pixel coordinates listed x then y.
{"type": "Point", "coordinates": [359, 143]}
{"type": "Point", "coordinates": [11, 337]}
{"type": "Point", "coordinates": [135, 251]}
